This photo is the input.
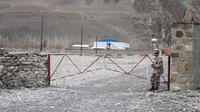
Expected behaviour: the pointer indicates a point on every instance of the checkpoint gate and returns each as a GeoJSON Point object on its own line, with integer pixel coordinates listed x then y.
{"type": "Point", "coordinates": [110, 59]}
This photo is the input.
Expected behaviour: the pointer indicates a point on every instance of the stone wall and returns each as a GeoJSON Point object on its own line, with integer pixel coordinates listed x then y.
{"type": "Point", "coordinates": [23, 70]}
{"type": "Point", "coordinates": [185, 73]}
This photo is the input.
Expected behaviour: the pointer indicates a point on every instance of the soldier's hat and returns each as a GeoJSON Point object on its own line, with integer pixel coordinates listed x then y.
{"type": "Point", "coordinates": [156, 50]}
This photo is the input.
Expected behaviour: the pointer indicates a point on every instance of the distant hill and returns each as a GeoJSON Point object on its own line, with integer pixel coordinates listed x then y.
{"type": "Point", "coordinates": [131, 21]}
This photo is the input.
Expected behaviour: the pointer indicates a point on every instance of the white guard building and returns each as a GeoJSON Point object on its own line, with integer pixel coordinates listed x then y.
{"type": "Point", "coordinates": [111, 44]}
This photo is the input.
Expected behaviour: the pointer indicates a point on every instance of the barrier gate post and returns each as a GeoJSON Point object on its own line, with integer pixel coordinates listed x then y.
{"type": "Point", "coordinates": [168, 83]}
{"type": "Point", "coordinates": [49, 69]}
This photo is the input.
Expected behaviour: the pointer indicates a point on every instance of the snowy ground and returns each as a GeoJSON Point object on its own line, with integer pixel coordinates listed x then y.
{"type": "Point", "coordinates": [100, 90]}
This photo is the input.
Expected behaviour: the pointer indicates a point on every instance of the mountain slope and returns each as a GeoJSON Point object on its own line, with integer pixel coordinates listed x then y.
{"type": "Point", "coordinates": [132, 21]}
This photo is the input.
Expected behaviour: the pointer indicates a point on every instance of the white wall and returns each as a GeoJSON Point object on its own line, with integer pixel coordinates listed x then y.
{"type": "Point", "coordinates": [118, 45]}
{"type": "Point", "coordinates": [126, 45]}
{"type": "Point", "coordinates": [113, 45]}
{"type": "Point", "coordinates": [100, 45]}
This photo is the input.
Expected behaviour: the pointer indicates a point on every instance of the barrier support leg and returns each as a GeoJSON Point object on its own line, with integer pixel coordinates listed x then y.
{"type": "Point", "coordinates": [49, 70]}
{"type": "Point", "coordinates": [168, 83]}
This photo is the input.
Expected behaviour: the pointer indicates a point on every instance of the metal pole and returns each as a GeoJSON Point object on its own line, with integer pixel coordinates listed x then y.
{"type": "Point", "coordinates": [49, 70]}
{"type": "Point", "coordinates": [55, 40]}
{"type": "Point", "coordinates": [41, 33]}
{"type": "Point", "coordinates": [107, 45]}
{"type": "Point", "coordinates": [96, 38]}
{"type": "Point", "coordinates": [168, 83]}
{"type": "Point", "coordinates": [81, 36]}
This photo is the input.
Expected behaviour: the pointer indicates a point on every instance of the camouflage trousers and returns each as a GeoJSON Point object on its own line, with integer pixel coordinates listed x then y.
{"type": "Point", "coordinates": [155, 80]}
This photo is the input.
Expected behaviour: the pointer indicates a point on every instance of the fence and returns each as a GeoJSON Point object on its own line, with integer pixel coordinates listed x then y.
{"type": "Point", "coordinates": [55, 31]}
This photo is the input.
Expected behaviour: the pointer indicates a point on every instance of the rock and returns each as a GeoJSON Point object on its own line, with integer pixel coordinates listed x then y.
{"type": "Point", "coordinates": [117, 104]}
{"type": "Point", "coordinates": [1, 84]}
{"type": "Point", "coordinates": [16, 84]}
{"type": "Point", "coordinates": [22, 74]}
{"type": "Point", "coordinates": [36, 59]}
{"type": "Point", "coordinates": [1, 67]}
{"type": "Point", "coordinates": [11, 68]}
{"type": "Point", "coordinates": [27, 69]}
{"type": "Point", "coordinates": [22, 59]}
{"type": "Point", "coordinates": [175, 89]}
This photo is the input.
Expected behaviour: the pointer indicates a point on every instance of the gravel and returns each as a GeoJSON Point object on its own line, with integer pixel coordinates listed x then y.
{"type": "Point", "coordinates": [100, 90]}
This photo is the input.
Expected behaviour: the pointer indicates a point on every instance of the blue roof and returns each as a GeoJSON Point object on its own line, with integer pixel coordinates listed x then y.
{"type": "Point", "coordinates": [109, 40]}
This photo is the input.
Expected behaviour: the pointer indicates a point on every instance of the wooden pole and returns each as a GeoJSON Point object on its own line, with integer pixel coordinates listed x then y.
{"type": "Point", "coordinates": [177, 13]}
{"type": "Point", "coordinates": [193, 17]}
{"type": "Point", "coordinates": [186, 13]}
{"type": "Point", "coordinates": [41, 33]}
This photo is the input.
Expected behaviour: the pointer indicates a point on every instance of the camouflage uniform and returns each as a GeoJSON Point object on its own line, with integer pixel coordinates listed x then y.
{"type": "Point", "coordinates": [155, 78]}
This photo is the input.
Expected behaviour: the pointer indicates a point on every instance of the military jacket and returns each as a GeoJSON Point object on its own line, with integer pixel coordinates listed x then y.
{"type": "Point", "coordinates": [158, 61]}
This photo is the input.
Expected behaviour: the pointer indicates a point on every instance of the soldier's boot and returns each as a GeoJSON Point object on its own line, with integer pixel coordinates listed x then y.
{"type": "Point", "coordinates": [156, 88]}
{"type": "Point", "coordinates": [152, 88]}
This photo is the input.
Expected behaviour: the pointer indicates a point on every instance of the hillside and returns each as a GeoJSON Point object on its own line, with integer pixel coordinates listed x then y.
{"type": "Point", "coordinates": [125, 20]}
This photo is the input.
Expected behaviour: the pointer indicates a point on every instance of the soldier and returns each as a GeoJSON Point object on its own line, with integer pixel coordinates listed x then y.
{"type": "Point", "coordinates": [157, 71]}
